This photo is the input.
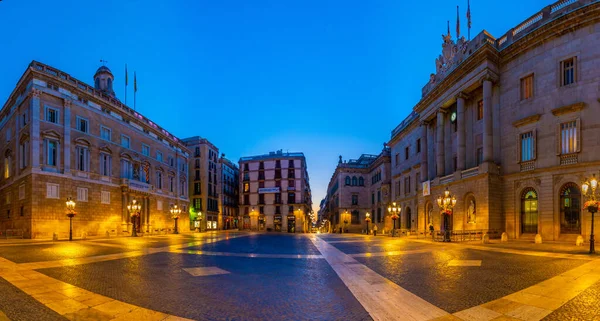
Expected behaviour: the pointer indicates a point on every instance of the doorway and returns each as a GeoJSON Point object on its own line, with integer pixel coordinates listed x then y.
{"type": "Point", "coordinates": [291, 228]}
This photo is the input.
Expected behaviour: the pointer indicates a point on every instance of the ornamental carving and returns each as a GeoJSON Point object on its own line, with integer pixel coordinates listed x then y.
{"type": "Point", "coordinates": [452, 54]}
{"type": "Point", "coordinates": [557, 179]}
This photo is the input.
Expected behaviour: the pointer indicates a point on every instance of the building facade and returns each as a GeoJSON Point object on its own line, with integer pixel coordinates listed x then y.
{"type": "Point", "coordinates": [357, 187]}
{"type": "Point", "coordinates": [205, 185]}
{"type": "Point", "coordinates": [275, 192]}
{"type": "Point", "coordinates": [509, 125]}
{"type": "Point", "coordinates": [229, 173]}
{"type": "Point", "coordinates": [62, 138]}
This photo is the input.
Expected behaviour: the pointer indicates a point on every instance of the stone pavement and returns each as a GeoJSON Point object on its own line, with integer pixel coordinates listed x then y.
{"type": "Point", "coordinates": [249, 276]}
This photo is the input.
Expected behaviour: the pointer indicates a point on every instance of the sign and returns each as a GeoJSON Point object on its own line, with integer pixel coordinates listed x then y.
{"type": "Point", "coordinates": [291, 188]}
{"type": "Point", "coordinates": [426, 188]}
{"type": "Point", "coordinates": [266, 190]}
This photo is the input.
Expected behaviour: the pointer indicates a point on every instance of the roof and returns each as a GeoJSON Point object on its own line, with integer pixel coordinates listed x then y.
{"type": "Point", "coordinates": [273, 155]}
{"type": "Point", "coordinates": [102, 69]}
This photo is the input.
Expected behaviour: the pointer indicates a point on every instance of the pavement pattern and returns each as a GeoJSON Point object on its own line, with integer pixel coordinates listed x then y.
{"type": "Point", "coordinates": [250, 276]}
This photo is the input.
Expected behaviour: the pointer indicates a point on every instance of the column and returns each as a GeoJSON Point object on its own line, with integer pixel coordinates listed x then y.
{"type": "Point", "coordinates": [424, 171]}
{"type": "Point", "coordinates": [460, 132]}
{"type": "Point", "coordinates": [67, 135]}
{"type": "Point", "coordinates": [35, 128]}
{"type": "Point", "coordinates": [440, 144]}
{"type": "Point", "coordinates": [430, 156]}
{"type": "Point", "coordinates": [488, 152]}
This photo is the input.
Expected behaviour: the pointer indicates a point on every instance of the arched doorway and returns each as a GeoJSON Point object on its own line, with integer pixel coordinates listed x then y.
{"type": "Point", "coordinates": [408, 218]}
{"type": "Point", "coordinates": [570, 209]}
{"type": "Point", "coordinates": [529, 211]}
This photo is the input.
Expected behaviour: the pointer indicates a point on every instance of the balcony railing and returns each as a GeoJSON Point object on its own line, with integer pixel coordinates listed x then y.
{"type": "Point", "coordinates": [137, 185]}
{"type": "Point", "coordinates": [568, 159]}
{"type": "Point", "coordinates": [447, 179]}
{"type": "Point", "coordinates": [470, 172]}
{"type": "Point", "coordinates": [527, 166]}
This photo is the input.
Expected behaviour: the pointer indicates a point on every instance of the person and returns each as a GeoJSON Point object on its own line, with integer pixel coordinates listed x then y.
{"type": "Point", "coordinates": [374, 229]}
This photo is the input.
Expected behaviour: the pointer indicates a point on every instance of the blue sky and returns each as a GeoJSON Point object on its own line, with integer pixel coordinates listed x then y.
{"type": "Point", "coordinates": [324, 77]}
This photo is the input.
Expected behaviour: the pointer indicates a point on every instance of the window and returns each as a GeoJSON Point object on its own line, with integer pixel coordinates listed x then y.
{"type": "Point", "coordinates": [354, 181]}
{"type": "Point", "coordinates": [126, 169]}
{"type": "Point", "coordinates": [261, 198]}
{"type": "Point", "coordinates": [145, 150]}
{"type": "Point", "coordinates": [182, 188]}
{"type": "Point", "coordinates": [480, 110]}
{"type": "Point", "coordinates": [261, 184]}
{"type": "Point", "coordinates": [291, 198]}
{"type": "Point", "coordinates": [570, 211]}
{"type": "Point", "coordinates": [159, 156]}
{"type": "Point", "coordinates": [278, 198]}
{"type": "Point", "coordinates": [355, 218]}
{"type": "Point", "coordinates": [418, 145]}
{"type": "Point", "coordinates": [105, 133]}
{"type": "Point", "coordinates": [171, 184]}
{"type": "Point", "coordinates": [82, 194]}
{"type": "Point", "coordinates": [52, 190]}
{"type": "Point", "coordinates": [378, 196]}
{"type": "Point", "coordinates": [105, 197]}
{"type": "Point", "coordinates": [171, 161]}
{"type": "Point", "coordinates": [418, 181]}
{"type": "Point", "coordinates": [24, 119]}
{"type": "Point", "coordinates": [159, 180]}
{"type": "Point", "coordinates": [246, 187]}
{"type": "Point", "coordinates": [21, 192]}
{"type": "Point", "coordinates": [291, 210]}
{"type": "Point", "coordinates": [529, 211]}
{"type": "Point", "coordinates": [247, 199]}
{"type": "Point", "coordinates": [568, 71]}
{"type": "Point", "coordinates": [479, 156]}
{"type": "Point", "coordinates": [82, 161]}
{"type": "Point", "coordinates": [7, 161]}
{"type": "Point", "coordinates": [354, 199]}
{"type": "Point", "coordinates": [23, 154]}
{"type": "Point", "coordinates": [278, 163]}
{"type": "Point", "coordinates": [527, 147]}
{"type": "Point", "coordinates": [372, 198]}
{"type": "Point", "coordinates": [397, 158]}
{"type": "Point", "coordinates": [291, 163]}
{"type": "Point", "coordinates": [8, 198]}
{"type": "Point", "coordinates": [82, 124]}
{"type": "Point", "coordinates": [361, 181]}
{"type": "Point", "coordinates": [406, 152]}
{"type": "Point", "coordinates": [197, 204]}
{"type": "Point", "coordinates": [52, 153]}
{"type": "Point", "coordinates": [197, 152]}
{"type": "Point", "coordinates": [52, 115]}
{"type": "Point", "coordinates": [407, 185]}
{"type": "Point", "coordinates": [291, 173]}
{"type": "Point", "coordinates": [568, 137]}
{"type": "Point", "coordinates": [347, 181]}
{"type": "Point", "coordinates": [527, 87]}
{"type": "Point", "coordinates": [125, 141]}
{"type": "Point", "coordinates": [197, 189]}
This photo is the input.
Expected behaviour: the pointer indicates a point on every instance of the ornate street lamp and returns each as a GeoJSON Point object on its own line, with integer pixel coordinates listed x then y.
{"type": "Point", "coordinates": [175, 211]}
{"type": "Point", "coordinates": [368, 219]}
{"type": "Point", "coordinates": [589, 189]}
{"type": "Point", "coordinates": [134, 209]}
{"type": "Point", "coordinates": [70, 214]}
{"type": "Point", "coordinates": [446, 202]}
{"type": "Point", "coordinates": [395, 211]}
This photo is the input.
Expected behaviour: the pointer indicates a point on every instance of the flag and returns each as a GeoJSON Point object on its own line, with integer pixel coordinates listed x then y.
{"type": "Point", "coordinates": [468, 14]}
{"type": "Point", "coordinates": [126, 77]}
{"type": "Point", "coordinates": [457, 24]}
{"type": "Point", "coordinates": [134, 83]}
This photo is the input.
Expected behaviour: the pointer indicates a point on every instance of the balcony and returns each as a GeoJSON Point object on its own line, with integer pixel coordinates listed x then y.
{"type": "Point", "coordinates": [137, 185]}
{"type": "Point", "coordinates": [568, 159]}
{"type": "Point", "coordinates": [527, 166]}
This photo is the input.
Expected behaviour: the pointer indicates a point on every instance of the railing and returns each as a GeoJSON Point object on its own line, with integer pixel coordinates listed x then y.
{"type": "Point", "coordinates": [527, 166]}
{"type": "Point", "coordinates": [561, 4]}
{"type": "Point", "coordinates": [11, 234]}
{"type": "Point", "coordinates": [568, 159]}
{"type": "Point", "coordinates": [527, 23]}
{"type": "Point", "coordinates": [464, 235]}
{"type": "Point", "coordinates": [137, 185]}
{"type": "Point", "coordinates": [470, 172]}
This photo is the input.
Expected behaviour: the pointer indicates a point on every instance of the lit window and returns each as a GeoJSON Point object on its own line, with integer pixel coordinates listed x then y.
{"type": "Point", "coordinates": [527, 149]}
{"type": "Point", "coordinates": [568, 137]}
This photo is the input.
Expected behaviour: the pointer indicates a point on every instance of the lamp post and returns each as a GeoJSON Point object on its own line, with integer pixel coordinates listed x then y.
{"type": "Point", "coordinates": [175, 211]}
{"type": "Point", "coordinates": [70, 214]}
{"type": "Point", "coordinates": [345, 221]}
{"type": "Point", "coordinates": [446, 202]}
{"type": "Point", "coordinates": [394, 210]}
{"type": "Point", "coordinates": [200, 219]}
{"type": "Point", "coordinates": [134, 209]}
{"type": "Point", "coordinates": [368, 219]}
{"type": "Point", "coordinates": [589, 189]}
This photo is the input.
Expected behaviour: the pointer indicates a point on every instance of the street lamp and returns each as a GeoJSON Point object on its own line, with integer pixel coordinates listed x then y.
{"type": "Point", "coordinates": [446, 202]}
{"type": "Point", "coordinates": [589, 189]}
{"type": "Point", "coordinates": [134, 209]}
{"type": "Point", "coordinates": [175, 211]}
{"type": "Point", "coordinates": [70, 214]}
{"type": "Point", "coordinates": [345, 220]}
{"type": "Point", "coordinates": [394, 210]}
{"type": "Point", "coordinates": [368, 219]}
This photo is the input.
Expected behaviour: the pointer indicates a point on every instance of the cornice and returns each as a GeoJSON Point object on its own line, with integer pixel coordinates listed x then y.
{"type": "Point", "coordinates": [527, 120]}
{"type": "Point", "coordinates": [568, 109]}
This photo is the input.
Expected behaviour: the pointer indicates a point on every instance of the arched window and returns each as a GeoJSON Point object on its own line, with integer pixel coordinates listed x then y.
{"type": "Point", "coordinates": [348, 180]}
{"type": "Point", "coordinates": [529, 211]}
{"type": "Point", "coordinates": [97, 83]}
{"type": "Point", "coordinates": [109, 84]}
{"type": "Point", "coordinates": [570, 209]}
{"type": "Point", "coordinates": [354, 181]}
{"type": "Point", "coordinates": [361, 181]}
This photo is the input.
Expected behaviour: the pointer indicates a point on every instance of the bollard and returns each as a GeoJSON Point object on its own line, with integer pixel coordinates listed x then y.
{"type": "Point", "coordinates": [538, 239]}
{"type": "Point", "coordinates": [579, 241]}
{"type": "Point", "coordinates": [485, 239]}
{"type": "Point", "coordinates": [504, 237]}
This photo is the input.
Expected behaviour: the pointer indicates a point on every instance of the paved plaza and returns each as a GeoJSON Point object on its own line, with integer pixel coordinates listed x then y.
{"type": "Point", "coordinates": [250, 276]}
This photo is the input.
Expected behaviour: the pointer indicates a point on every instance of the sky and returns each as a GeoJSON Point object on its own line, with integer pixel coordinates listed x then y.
{"type": "Point", "coordinates": [324, 77]}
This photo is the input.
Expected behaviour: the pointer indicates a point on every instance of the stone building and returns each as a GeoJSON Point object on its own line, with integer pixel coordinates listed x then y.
{"type": "Point", "coordinates": [357, 187]}
{"type": "Point", "coordinates": [275, 192]}
{"type": "Point", "coordinates": [510, 126]}
{"type": "Point", "coordinates": [229, 173]}
{"type": "Point", "coordinates": [204, 188]}
{"type": "Point", "coordinates": [62, 138]}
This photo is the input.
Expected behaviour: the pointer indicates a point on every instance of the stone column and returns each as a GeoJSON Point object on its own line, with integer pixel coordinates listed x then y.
{"type": "Point", "coordinates": [488, 152]}
{"type": "Point", "coordinates": [35, 128]}
{"type": "Point", "coordinates": [16, 149]}
{"type": "Point", "coordinates": [440, 144]}
{"type": "Point", "coordinates": [460, 132]}
{"type": "Point", "coordinates": [67, 136]}
{"type": "Point", "coordinates": [424, 171]}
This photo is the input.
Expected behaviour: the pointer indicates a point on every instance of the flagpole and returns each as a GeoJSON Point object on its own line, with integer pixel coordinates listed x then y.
{"type": "Point", "coordinates": [134, 88]}
{"type": "Point", "coordinates": [126, 84]}
{"type": "Point", "coordinates": [457, 25]}
{"type": "Point", "coordinates": [469, 19]}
